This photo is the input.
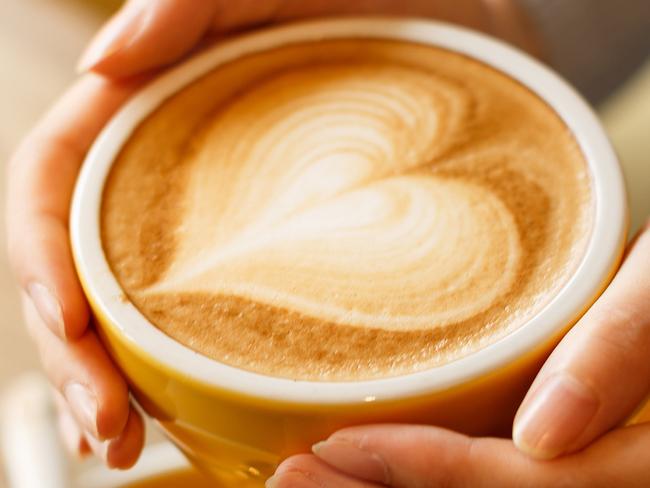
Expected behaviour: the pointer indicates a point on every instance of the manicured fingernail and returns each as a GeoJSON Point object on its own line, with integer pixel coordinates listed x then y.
{"type": "Point", "coordinates": [351, 459]}
{"type": "Point", "coordinates": [117, 35]}
{"type": "Point", "coordinates": [71, 433]}
{"type": "Point", "coordinates": [297, 480]}
{"type": "Point", "coordinates": [556, 416]}
{"type": "Point", "coordinates": [48, 307]}
{"type": "Point", "coordinates": [99, 448]}
{"type": "Point", "coordinates": [84, 406]}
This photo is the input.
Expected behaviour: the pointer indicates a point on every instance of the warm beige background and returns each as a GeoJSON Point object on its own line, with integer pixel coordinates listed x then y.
{"type": "Point", "coordinates": [39, 43]}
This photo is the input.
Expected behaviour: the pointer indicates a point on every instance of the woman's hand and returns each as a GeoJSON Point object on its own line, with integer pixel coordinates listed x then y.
{"type": "Point", "coordinates": [408, 456]}
{"type": "Point", "coordinates": [593, 381]}
{"type": "Point", "coordinates": [93, 396]}
{"type": "Point", "coordinates": [146, 34]}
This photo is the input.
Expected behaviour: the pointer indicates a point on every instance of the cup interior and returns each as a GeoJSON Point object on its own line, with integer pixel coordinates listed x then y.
{"type": "Point", "coordinates": [599, 261]}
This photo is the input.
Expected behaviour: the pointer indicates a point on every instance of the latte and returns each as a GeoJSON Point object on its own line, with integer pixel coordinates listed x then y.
{"type": "Point", "coordinates": [346, 210]}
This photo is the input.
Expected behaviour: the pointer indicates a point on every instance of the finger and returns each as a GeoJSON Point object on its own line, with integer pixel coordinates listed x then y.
{"type": "Point", "coordinates": [416, 456]}
{"type": "Point", "coordinates": [620, 458]}
{"type": "Point", "coordinates": [71, 434]}
{"type": "Point", "coordinates": [147, 33]}
{"type": "Point", "coordinates": [82, 372]}
{"type": "Point", "coordinates": [599, 373]}
{"type": "Point", "coordinates": [42, 174]}
{"type": "Point", "coordinates": [243, 14]}
{"type": "Point", "coordinates": [123, 451]}
{"type": "Point", "coordinates": [307, 471]}
{"type": "Point", "coordinates": [410, 456]}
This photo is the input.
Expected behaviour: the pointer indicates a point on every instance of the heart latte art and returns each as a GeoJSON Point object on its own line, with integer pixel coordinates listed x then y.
{"type": "Point", "coordinates": [346, 210]}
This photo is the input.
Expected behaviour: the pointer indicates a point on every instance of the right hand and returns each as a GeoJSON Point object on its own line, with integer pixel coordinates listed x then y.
{"type": "Point", "coordinates": [93, 397]}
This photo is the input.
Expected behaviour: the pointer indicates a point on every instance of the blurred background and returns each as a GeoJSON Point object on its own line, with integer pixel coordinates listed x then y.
{"type": "Point", "coordinates": [40, 41]}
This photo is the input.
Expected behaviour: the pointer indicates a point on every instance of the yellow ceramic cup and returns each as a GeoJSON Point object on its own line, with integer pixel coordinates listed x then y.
{"type": "Point", "coordinates": [238, 425]}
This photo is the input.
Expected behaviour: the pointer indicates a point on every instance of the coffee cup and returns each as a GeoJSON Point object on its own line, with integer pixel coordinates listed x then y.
{"type": "Point", "coordinates": [237, 424]}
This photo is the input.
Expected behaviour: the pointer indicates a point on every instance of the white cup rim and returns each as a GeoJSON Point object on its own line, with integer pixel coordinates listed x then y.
{"type": "Point", "coordinates": [603, 249]}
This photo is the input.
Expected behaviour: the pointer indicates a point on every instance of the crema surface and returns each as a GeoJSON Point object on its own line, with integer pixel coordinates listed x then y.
{"type": "Point", "coordinates": [346, 210]}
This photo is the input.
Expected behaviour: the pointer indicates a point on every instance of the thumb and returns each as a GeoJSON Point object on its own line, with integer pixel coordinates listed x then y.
{"type": "Point", "coordinates": [599, 373]}
{"type": "Point", "coordinates": [146, 34]}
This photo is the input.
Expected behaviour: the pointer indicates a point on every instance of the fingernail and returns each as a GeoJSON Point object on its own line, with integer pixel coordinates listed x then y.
{"type": "Point", "coordinates": [272, 482]}
{"type": "Point", "coordinates": [297, 480]}
{"type": "Point", "coordinates": [48, 307]}
{"type": "Point", "coordinates": [99, 448]}
{"type": "Point", "coordinates": [118, 34]}
{"type": "Point", "coordinates": [556, 416]}
{"type": "Point", "coordinates": [71, 433]}
{"type": "Point", "coordinates": [84, 406]}
{"type": "Point", "coordinates": [351, 459]}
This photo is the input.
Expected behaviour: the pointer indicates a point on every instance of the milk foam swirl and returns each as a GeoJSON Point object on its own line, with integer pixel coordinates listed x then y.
{"type": "Point", "coordinates": [384, 209]}
{"type": "Point", "coordinates": [310, 193]}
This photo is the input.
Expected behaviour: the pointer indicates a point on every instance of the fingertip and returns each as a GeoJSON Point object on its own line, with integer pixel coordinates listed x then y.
{"type": "Point", "coordinates": [83, 404]}
{"type": "Point", "coordinates": [49, 279]}
{"type": "Point", "coordinates": [272, 482]}
{"type": "Point", "coordinates": [71, 434]}
{"type": "Point", "coordinates": [105, 383]}
{"type": "Point", "coordinates": [293, 468]}
{"type": "Point", "coordinates": [113, 414]}
{"type": "Point", "coordinates": [352, 458]}
{"type": "Point", "coordinates": [147, 35]}
{"type": "Point", "coordinates": [293, 479]}
{"type": "Point", "coordinates": [123, 452]}
{"type": "Point", "coordinates": [115, 36]}
{"type": "Point", "coordinates": [307, 471]}
{"type": "Point", "coordinates": [295, 462]}
{"type": "Point", "coordinates": [67, 317]}
{"type": "Point", "coordinates": [76, 313]}
{"type": "Point", "coordinates": [84, 448]}
{"type": "Point", "coordinates": [97, 447]}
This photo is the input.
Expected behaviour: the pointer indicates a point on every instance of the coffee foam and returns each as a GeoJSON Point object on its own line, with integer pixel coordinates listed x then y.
{"type": "Point", "coordinates": [346, 210]}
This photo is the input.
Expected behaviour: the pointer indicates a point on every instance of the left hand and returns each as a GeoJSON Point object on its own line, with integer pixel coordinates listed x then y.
{"type": "Point", "coordinates": [562, 433]}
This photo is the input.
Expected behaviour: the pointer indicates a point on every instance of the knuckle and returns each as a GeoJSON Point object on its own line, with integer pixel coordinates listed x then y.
{"type": "Point", "coordinates": [447, 474]}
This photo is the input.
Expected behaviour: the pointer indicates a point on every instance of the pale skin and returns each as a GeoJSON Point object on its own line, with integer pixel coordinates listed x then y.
{"type": "Point", "coordinates": [567, 430]}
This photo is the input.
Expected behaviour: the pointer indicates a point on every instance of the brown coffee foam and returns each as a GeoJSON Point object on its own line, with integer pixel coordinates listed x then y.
{"type": "Point", "coordinates": [506, 140]}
